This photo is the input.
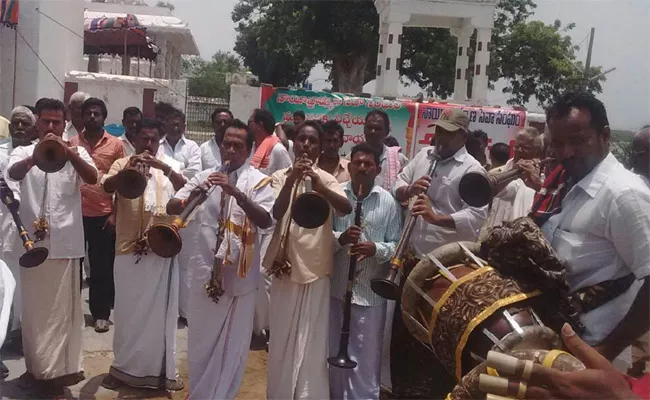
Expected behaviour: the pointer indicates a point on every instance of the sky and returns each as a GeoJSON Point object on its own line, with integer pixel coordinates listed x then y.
{"type": "Point", "coordinates": [622, 40]}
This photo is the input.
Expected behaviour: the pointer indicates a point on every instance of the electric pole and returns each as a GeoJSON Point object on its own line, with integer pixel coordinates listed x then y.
{"type": "Point", "coordinates": [589, 51]}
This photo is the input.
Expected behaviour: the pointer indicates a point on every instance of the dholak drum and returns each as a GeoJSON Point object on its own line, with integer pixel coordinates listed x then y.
{"type": "Point", "coordinates": [468, 387]}
{"type": "Point", "coordinates": [463, 315]}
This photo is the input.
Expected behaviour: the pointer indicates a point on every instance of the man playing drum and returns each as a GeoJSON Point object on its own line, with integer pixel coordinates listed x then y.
{"type": "Point", "coordinates": [596, 215]}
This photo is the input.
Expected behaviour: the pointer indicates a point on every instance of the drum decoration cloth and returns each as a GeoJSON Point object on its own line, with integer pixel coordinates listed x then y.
{"type": "Point", "coordinates": [467, 303]}
{"type": "Point", "coordinates": [468, 387]}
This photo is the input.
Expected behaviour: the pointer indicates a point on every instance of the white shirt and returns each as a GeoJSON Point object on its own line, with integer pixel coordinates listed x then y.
{"type": "Point", "coordinates": [186, 152]}
{"type": "Point", "coordinates": [5, 150]}
{"type": "Point", "coordinates": [278, 159]}
{"type": "Point", "coordinates": [62, 203]}
{"type": "Point", "coordinates": [514, 201]}
{"type": "Point", "coordinates": [7, 227]}
{"type": "Point", "coordinates": [207, 218]}
{"type": "Point", "coordinates": [129, 150]}
{"type": "Point", "coordinates": [445, 199]}
{"type": "Point", "coordinates": [603, 233]}
{"type": "Point", "coordinates": [69, 132]}
{"type": "Point", "coordinates": [210, 155]}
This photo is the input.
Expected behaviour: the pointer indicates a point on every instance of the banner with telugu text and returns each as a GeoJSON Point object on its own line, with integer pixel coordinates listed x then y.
{"type": "Point", "coordinates": [349, 111]}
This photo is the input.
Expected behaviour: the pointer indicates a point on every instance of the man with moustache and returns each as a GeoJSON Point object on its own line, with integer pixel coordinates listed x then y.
{"type": "Point", "coordinates": [443, 218]}
{"type": "Point", "coordinates": [75, 120]}
{"type": "Point", "coordinates": [210, 152]}
{"type": "Point", "coordinates": [300, 294]}
{"type": "Point", "coordinates": [596, 215]}
{"type": "Point", "coordinates": [130, 118]}
{"type": "Point", "coordinates": [52, 201]}
{"type": "Point", "coordinates": [330, 160]}
{"type": "Point", "coordinates": [146, 285]}
{"type": "Point", "coordinates": [219, 332]}
{"type": "Point", "coordinates": [97, 207]}
{"type": "Point", "coordinates": [372, 243]}
{"type": "Point", "coordinates": [375, 130]}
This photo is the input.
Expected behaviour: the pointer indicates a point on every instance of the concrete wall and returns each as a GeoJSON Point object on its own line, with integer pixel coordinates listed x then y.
{"type": "Point", "coordinates": [120, 92]}
{"type": "Point", "coordinates": [60, 49]}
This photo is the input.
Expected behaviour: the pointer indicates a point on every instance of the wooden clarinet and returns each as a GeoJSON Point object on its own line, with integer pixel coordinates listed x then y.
{"type": "Point", "coordinates": [214, 286]}
{"type": "Point", "coordinates": [342, 359]}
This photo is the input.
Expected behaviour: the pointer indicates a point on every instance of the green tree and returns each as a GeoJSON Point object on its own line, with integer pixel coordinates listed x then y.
{"type": "Point", "coordinates": [282, 40]}
{"type": "Point", "coordinates": [208, 78]}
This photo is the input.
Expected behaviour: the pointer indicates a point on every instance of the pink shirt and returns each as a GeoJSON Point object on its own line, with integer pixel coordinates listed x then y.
{"type": "Point", "coordinates": [95, 202]}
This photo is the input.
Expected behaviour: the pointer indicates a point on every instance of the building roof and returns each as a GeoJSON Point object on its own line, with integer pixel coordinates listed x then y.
{"type": "Point", "coordinates": [158, 26]}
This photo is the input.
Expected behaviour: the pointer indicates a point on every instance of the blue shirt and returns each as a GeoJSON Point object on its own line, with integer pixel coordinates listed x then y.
{"type": "Point", "coordinates": [381, 223]}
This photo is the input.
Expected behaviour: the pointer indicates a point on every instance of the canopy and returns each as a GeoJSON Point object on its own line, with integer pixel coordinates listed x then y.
{"type": "Point", "coordinates": [9, 13]}
{"type": "Point", "coordinates": [117, 36]}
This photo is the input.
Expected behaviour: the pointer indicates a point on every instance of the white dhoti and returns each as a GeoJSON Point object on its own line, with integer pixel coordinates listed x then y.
{"type": "Point", "coordinates": [366, 334]}
{"type": "Point", "coordinates": [218, 340]}
{"type": "Point", "coordinates": [385, 349]}
{"type": "Point", "coordinates": [297, 360]}
{"type": "Point", "coordinates": [11, 259]}
{"type": "Point", "coordinates": [263, 299]}
{"type": "Point", "coordinates": [145, 315]}
{"type": "Point", "coordinates": [184, 269]}
{"type": "Point", "coordinates": [52, 319]}
{"type": "Point", "coordinates": [7, 288]}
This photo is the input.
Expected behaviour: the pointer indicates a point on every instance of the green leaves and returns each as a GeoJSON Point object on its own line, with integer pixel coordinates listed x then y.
{"type": "Point", "coordinates": [208, 78]}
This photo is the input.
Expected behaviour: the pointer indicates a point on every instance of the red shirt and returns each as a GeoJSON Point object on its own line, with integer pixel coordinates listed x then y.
{"type": "Point", "coordinates": [95, 202]}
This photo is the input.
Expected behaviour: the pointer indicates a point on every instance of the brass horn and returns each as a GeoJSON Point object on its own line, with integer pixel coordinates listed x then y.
{"type": "Point", "coordinates": [133, 181]}
{"type": "Point", "coordinates": [310, 210]}
{"type": "Point", "coordinates": [478, 189]}
{"type": "Point", "coordinates": [34, 256]}
{"type": "Point", "coordinates": [165, 239]}
{"type": "Point", "coordinates": [49, 155]}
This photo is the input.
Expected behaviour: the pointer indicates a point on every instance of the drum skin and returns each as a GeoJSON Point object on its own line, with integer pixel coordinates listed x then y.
{"type": "Point", "coordinates": [467, 320]}
{"type": "Point", "coordinates": [468, 389]}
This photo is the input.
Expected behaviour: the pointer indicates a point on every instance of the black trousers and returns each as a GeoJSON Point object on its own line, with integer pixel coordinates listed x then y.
{"type": "Point", "coordinates": [101, 254]}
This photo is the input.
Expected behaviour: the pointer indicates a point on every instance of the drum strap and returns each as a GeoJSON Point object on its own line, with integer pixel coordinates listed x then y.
{"type": "Point", "coordinates": [598, 295]}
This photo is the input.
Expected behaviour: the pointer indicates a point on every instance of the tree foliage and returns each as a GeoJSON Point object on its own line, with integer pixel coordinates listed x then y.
{"type": "Point", "coordinates": [208, 78]}
{"type": "Point", "coordinates": [166, 4]}
{"type": "Point", "coordinates": [281, 41]}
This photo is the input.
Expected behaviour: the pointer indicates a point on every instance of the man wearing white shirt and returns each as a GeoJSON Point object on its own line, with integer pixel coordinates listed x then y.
{"type": "Point", "coordinates": [130, 118]}
{"type": "Point", "coordinates": [75, 118]}
{"type": "Point", "coordinates": [175, 145]}
{"type": "Point", "coordinates": [602, 228]}
{"type": "Point", "coordinates": [444, 216]}
{"type": "Point", "coordinates": [210, 152]}
{"type": "Point", "coordinates": [52, 333]}
{"type": "Point", "coordinates": [237, 211]}
{"type": "Point", "coordinates": [23, 132]}
{"type": "Point", "coordinates": [375, 131]}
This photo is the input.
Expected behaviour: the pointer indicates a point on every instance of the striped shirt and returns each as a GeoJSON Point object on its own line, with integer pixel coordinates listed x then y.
{"type": "Point", "coordinates": [381, 223]}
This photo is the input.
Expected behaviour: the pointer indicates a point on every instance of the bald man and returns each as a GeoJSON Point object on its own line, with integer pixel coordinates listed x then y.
{"type": "Point", "coordinates": [640, 157]}
{"type": "Point", "coordinates": [75, 117]}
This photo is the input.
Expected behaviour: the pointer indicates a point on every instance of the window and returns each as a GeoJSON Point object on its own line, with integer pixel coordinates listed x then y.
{"type": "Point", "coordinates": [399, 39]}
{"type": "Point", "coordinates": [480, 46]}
{"type": "Point", "coordinates": [458, 73]}
{"type": "Point", "coordinates": [388, 64]}
{"type": "Point", "coordinates": [390, 38]}
{"type": "Point", "coordinates": [381, 48]}
{"type": "Point", "coordinates": [397, 64]}
{"type": "Point", "coordinates": [460, 52]}
{"type": "Point", "coordinates": [378, 70]}
{"type": "Point", "coordinates": [478, 69]}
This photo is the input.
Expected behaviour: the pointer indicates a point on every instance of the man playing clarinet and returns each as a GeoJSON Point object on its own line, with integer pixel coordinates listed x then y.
{"type": "Point", "coordinates": [372, 243]}
{"type": "Point", "coordinates": [233, 218]}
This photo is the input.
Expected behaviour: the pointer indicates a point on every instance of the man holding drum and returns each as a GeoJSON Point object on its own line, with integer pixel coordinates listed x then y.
{"type": "Point", "coordinates": [601, 228]}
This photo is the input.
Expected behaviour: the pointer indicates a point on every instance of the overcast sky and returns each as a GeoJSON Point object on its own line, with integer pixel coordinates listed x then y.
{"type": "Point", "coordinates": [622, 41]}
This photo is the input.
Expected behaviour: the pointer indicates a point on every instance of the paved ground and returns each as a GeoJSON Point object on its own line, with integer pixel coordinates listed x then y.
{"type": "Point", "coordinates": [97, 360]}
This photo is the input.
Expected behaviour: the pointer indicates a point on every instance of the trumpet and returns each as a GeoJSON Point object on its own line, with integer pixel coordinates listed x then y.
{"type": "Point", "coordinates": [387, 287]}
{"type": "Point", "coordinates": [133, 180]}
{"type": "Point", "coordinates": [342, 359]}
{"type": "Point", "coordinates": [478, 189]}
{"type": "Point", "coordinates": [309, 210]}
{"type": "Point", "coordinates": [34, 256]}
{"type": "Point", "coordinates": [165, 239]}
{"type": "Point", "coordinates": [49, 155]}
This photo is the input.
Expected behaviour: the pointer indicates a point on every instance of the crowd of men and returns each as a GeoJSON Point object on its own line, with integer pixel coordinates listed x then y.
{"type": "Point", "coordinates": [266, 273]}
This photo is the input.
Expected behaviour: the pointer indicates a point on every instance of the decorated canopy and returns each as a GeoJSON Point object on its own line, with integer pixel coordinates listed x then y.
{"type": "Point", "coordinates": [117, 36]}
{"type": "Point", "coordinates": [9, 13]}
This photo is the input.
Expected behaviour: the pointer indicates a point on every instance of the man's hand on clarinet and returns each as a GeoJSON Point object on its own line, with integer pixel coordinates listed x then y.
{"type": "Point", "coordinates": [418, 187]}
{"type": "Point", "coordinates": [350, 236]}
{"type": "Point", "coordinates": [221, 179]}
{"type": "Point", "coordinates": [422, 208]}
